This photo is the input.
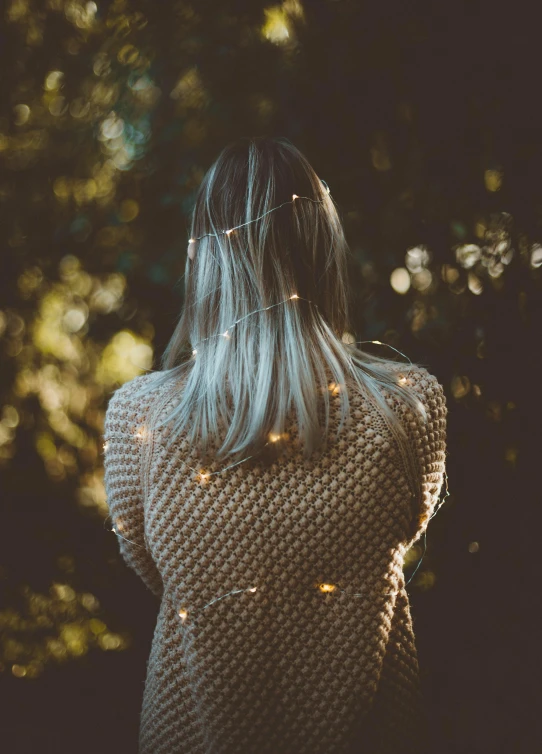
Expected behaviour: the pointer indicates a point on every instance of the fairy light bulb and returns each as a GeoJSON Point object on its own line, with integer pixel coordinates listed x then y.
{"type": "Point", "coordinates": [327, 587]}
{"type": "Point", "coordinates": [105, 446]}
{"type": "Point", "coordinates": [294, 197]}
{"type": "Point", "coordinates": [253, 589]}
{"type": "Point", "coordinates": [183, 614]}
{"type": "Point", "coordinates": [191, 240]}
{"type": "Point", "coordinates": [333, 387]}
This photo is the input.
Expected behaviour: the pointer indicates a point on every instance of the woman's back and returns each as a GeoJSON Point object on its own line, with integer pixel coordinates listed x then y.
{"type": "Point", "coordinates": [284, 623]}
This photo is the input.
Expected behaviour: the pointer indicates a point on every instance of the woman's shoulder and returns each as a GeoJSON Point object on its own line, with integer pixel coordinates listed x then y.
{"type": "Point", "coordinates": [131, 400]}
{"type": "Point", "coordinates": [415, 375]}
{"type": "Point", "coordinates": [427, 389]}
{"type": "Point", "coordinates": [422, 385]}
{"type": "Point", "coordinates": [134, 387]}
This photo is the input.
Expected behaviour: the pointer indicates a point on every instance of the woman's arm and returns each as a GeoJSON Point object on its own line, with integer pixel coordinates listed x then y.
{"type": "Point", "coordinates": [428, 439]}
{"type": "Point", "coordinates": [123, 436]}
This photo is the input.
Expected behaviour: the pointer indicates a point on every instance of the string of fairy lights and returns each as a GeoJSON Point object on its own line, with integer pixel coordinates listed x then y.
{"type": "Point", "coordinates": [203, 476]}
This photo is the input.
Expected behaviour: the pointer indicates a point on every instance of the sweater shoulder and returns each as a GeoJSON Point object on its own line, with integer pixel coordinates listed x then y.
{"type": "Point", "coordinates": [129, 402]}
{"type": "Point", "coordinates": [422, 381]}
{"type": "Point", "coordinates": [427, 392]}
{"type": "Point", "coordinates": [418, 376]}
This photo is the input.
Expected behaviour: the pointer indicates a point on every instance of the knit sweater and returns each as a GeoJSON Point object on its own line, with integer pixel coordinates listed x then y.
{"type": "Point", "coordinates": [284, 625]}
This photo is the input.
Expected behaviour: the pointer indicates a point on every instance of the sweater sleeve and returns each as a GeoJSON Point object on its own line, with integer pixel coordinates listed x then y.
{"type": "Point", "coordinates": [429, 441]}
{"type": "Point", "coordinates": [123, 434]}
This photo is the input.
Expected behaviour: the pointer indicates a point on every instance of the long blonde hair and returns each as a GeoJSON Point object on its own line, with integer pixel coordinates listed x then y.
{"type": "Point", "coordinates": [279, 358]}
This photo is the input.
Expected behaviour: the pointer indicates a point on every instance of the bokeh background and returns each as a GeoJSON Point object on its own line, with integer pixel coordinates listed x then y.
{"type": "Point", "coordinates": [424, 119]}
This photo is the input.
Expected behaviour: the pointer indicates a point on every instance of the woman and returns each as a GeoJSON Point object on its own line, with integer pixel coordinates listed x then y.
{"type": "Point", "coordinates": [267, 483]}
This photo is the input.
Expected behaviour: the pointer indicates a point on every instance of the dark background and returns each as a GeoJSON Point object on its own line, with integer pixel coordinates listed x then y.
{"type": "Point", "coordinates": [425, 120]}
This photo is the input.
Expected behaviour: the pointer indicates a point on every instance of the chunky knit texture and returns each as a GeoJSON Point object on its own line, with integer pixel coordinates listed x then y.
{"type": "Point", "coordinates": [277, 665]}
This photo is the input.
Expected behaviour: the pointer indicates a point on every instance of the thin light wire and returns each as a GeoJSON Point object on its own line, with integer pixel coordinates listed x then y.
{"type": "Point", "coordinates": [446, 495]}
{"type": "Point", "coordinates": [114, 531]}
{"type": "Point", "coordinates": [254, 588]}
{"type": "Point", "coordinates": [255, 311]}
{"type": "Point", "coordinates": [226, 334]}
{"type": "Point", "coordinates": [205, 475]}
{"type": "Point", "coordinates": [439, 505]}
{"type": "Point", "coordinates": [294, 197]}
{"type": "Point", "coordinates": [294, 297]}
{"type": "Point", "coordinates": [420, 560]}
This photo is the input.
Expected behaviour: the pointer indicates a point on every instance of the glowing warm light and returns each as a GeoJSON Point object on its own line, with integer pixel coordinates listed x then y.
{"type": "Point", "coordinates": [417, 258]}
{"type": "Point", "coordinates": [106, 445]}
{"type": "Point", "coordinates": [141, 433]}
{"type": "Point", "coordinates": [294, 296]}
{"type": "Point", "coordinates": [294, 196]}
{"type": "Point", "coordinates": [226, 334]}
{"type": "Point", "coordinates": [53, 80]}
{"type": "Point", "coordinates": [475, 284]}
{"type": "Point", "coordinates": [204, 475]}
{"type": "Point", "coordinates": [62, 592]}
{"type": "Point", "coordinates": [194, 352]}
{"type": "Point", "coordinates": [10, 417]}
{"type": "Point", "coordinates": [22, 114]}
{"type": "Point", "coordinates": [277, 25]}
{"type": "Point", "coordinates": [229, 231]}
{"type": "Point", "coordinates": [449, 274]}
{"type": "Point", "coordinates": [536, 255]}
{"type": "Point", "coordinates": [108, 640]}
{"type": "Point", "coordinates": [422, 280]}
{"type": "Point", "coordinates": [253, 589]}
{"type": "Point", "coordinates": [190, 90]}
{"type": "Point", "coordinates": [460, 386]}
{"type": "Point", "coordinates": [274, 438]}
{"type": "Point", "coordinates": [402, 379]}
{"type": "Point", "coordinates": [111, 128]}
{"type": "Point", "coordinates": [493, 179]}
{"type": "Point", "coordinates": [183, 614]}
{"type": "Point", "coordinates": [191, 240]}
{"type": "Point", "coordinates": [327, 587]}
{"type": "Point", "coordinates": [400, 280]}
{"type": "Point", "coordinates": [468, 254]}
{"type": "Point", "coordinates": [126, 355]}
